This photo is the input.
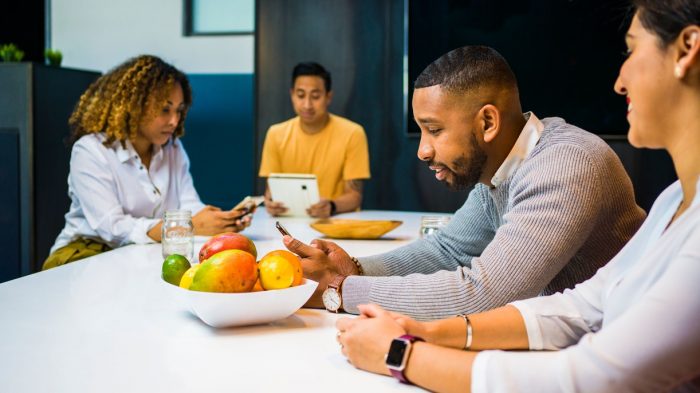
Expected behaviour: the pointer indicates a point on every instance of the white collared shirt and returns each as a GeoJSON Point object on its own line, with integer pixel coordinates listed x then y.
{"type": "Point", "coordinates": [116, 199]}
{"type": "Point", "coordinates": [526, 141]}
{"type": "Point", "coordinates": [633, 326]}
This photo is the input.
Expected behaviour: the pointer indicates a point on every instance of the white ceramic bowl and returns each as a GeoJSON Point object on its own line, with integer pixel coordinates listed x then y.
{"type": "Point", "coordinates": [250, 308]}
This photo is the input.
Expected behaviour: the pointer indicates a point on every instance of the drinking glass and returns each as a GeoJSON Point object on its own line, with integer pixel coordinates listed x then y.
{"type": "Point", "coordinates": [432, 224]}
{"type": "Point", "coordinates": [177, 236]}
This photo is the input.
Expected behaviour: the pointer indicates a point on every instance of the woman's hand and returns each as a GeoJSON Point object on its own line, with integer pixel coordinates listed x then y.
{"type": "Point", "coordinates": [365, 340]}
{"type": "Point", "coordinates": [410, 325]}
{"type": "Point", "coordinates": [212, 221]}
{"type": "Point", "coordinates": [243, 221]}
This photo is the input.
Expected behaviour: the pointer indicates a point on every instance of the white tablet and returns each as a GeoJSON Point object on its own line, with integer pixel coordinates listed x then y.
{"type": "Point", "coordinates": [297, 191]}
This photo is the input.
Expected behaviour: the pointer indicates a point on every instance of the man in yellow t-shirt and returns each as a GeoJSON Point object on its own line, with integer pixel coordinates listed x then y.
{"type": "Point", "coordinates": [315, 141]}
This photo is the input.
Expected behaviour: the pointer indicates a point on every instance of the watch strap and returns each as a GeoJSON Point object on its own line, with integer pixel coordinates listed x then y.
{"type": "Point", "coordinates": [399, 374]}
{"type": "Point", "coordinates": [336, 284]}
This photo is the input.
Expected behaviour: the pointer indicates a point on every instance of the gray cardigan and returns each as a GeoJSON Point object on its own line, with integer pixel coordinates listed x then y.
{"type": "Point", "coordinates": [564, 213]}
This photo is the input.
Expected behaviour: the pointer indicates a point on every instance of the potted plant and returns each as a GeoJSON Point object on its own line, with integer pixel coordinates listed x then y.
{"type": "Point", "coordinates": [53, 57]}
{"type": "Point", "coordinates": [10, 52]}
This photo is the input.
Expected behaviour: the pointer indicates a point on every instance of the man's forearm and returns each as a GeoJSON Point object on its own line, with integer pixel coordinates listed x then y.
{"type": "Point", "coordinates": [351, 199]}
{"type": "Point", "coordinates": [429, 297]}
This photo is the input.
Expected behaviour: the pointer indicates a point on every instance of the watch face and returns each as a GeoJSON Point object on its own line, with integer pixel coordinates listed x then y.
{"type": "Point", "coordinates": [331, 299]}
{"type": "Point", "coordinates": [396, 354]}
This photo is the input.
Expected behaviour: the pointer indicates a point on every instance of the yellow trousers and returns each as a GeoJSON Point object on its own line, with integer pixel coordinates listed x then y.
{"type": "Point", "coordinates": [73, 251]}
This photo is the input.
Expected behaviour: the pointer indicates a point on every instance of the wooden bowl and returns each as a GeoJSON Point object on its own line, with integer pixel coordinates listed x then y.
{"type": "Point", "coordinates": [338, 228]}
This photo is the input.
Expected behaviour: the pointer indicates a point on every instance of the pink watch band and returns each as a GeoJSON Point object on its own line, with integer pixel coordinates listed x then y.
{"type": "Point", "coordinates": [399, 374]}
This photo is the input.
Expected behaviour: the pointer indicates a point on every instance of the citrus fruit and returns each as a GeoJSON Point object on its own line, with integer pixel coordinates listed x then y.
{"type": "Point", "coordinates": [174, 266]}
{"type": "Point", "coordinates": [226, 271]}
{"type": "Point", "coordinates": [186, 279]}
{"type": "Point", "coordinates": [294, 260]}
{"type": "Point", "coordinates": [276, 272]}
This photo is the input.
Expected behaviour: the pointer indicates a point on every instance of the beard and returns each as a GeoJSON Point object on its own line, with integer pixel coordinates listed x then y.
{"type": "Point", "coordinates": [468, 168]}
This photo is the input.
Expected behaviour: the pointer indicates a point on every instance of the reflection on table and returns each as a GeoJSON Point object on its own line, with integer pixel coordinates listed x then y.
{"type": "Point", "coordinates": [109, 324]}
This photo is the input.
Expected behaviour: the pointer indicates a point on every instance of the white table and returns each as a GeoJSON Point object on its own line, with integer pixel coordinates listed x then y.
{"type": "Point", "coordinates": [108, 324]}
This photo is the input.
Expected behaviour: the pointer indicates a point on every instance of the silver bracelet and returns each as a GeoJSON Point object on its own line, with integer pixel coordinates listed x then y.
{"type": "Point", "coordinates": [360, 271]}
{"type": "Point", "coordinates": [469, 331]}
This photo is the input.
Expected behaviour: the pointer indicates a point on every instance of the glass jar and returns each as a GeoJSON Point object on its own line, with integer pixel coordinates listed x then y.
{"type": "Point", "coordinates": [432, 224]}
{"type": "Point", "coordinates": [177, 235]}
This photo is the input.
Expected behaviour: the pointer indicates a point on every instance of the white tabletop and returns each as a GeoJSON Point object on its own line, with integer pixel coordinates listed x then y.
{"type": "Point", "coordinates": [109, 324]}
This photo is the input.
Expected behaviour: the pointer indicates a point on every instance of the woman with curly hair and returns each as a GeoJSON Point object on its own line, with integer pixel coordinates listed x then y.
{"type": "Point", "coordinates": [635, 325]}
{"type": "Point", "coordinates": [128, 165]}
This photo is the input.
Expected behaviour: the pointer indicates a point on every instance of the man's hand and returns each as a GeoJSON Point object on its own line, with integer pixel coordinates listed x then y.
{"type": "Point", "coordinates": [322, 209]}
{"type": "Point", "coordinates": [274, 208]}
{"type": "Point", "coordinates": [322, 261]}
{"type": "Point", "coordinates": [212, 221]}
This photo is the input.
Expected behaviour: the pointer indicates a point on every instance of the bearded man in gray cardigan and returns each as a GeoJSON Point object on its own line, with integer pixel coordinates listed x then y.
{"type": "Point", "coordinates": [551, 203]}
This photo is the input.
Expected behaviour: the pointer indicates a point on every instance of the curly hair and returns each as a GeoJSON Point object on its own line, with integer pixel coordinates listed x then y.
{"type": "Point", "coordinates": [119, 101]}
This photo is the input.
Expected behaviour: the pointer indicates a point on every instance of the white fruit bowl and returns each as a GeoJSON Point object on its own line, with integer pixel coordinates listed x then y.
{"type": "Point", "coordinates": [250, 308]}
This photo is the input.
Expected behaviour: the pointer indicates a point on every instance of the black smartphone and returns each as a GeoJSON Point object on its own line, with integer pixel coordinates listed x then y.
{"type": "Point", "coordinates": [282, 230]}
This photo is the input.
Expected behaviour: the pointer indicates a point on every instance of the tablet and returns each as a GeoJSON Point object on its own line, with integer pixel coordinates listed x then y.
{"type": "Point", "coordinates": [297, 191]}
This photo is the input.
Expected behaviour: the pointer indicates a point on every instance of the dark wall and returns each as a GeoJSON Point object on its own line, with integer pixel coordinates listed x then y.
{"type": "Point", "coordinates": [55, 93]}
{"type": "Point", "coordinates": [361, 42]}
{"type": "Point", "coordinates": [22, 23]}
{"type": "Point", "coordinates": [10, 228]}
{"type": "Point", "coordinates": [35, 101]}
{"type": "Point", "coordinates": [566, 55]}
{"type": "Point", "coordinates": [219, 137]}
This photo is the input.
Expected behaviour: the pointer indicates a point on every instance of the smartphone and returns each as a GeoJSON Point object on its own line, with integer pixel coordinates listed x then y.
{"type": "Point", "coordinates": [248, 205]}
{"type": "Point", "coordinates": [282, 230]}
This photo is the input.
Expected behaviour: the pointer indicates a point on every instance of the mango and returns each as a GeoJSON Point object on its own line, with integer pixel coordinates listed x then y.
{"type": "Point", "coordinates": [227, 241]}
{"type": "Point", "coordinates": [226, 271]}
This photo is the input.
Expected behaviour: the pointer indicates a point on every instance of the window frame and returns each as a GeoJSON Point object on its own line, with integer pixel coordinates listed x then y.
{"type": "Point", "coordinates": [188, 23]}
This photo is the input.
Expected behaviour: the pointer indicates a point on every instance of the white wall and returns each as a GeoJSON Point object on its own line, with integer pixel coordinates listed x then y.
{"type": "Point", "coordinates": [99, 34]}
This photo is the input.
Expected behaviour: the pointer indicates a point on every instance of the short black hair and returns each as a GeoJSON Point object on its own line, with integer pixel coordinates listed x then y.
{"type": "Point", "coordinates": [312, 69]}
{"type": "Point", "coordinates": [467, 68]}
{"type": "Point", "coordinates": [666, 19]}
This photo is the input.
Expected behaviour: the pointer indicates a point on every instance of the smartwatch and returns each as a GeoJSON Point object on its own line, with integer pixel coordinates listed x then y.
{"type": "Point", "coordinates": [397, 357]}
{"type": "Point", "coordinates": [332, 299]}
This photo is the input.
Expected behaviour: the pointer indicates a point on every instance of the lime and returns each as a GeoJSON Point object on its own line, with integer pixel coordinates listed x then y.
{"type": "Point", "coordinates": [174, 266]}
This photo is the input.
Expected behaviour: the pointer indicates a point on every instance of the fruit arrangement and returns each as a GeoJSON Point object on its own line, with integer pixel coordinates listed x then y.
{"type": "Point", "coordinates": [227, 263]}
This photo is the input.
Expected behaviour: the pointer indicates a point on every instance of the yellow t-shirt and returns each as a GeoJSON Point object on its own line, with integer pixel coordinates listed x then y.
{"type": "Point", "coordinates": [336, 154]}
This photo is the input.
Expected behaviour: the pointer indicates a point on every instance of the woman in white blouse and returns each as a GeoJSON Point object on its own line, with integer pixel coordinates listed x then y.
{"type": "Point", "coordinates": [127, 164]}
{"type": "Point", "coordinates": [635, 325]}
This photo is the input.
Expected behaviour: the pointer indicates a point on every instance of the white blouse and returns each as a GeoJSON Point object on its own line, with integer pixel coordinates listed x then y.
{"type": "Point", "coordinates": [634, 326]}
{"type": "Point", "coordinates": [116, 199]}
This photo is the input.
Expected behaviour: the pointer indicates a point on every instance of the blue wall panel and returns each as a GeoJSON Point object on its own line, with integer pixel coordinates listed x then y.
{"type": "Point", "coordinates": [219, 137]}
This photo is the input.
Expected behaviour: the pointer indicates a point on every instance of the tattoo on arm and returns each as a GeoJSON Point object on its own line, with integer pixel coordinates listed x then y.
{"type": "Point", "coordinates": [355, 185]}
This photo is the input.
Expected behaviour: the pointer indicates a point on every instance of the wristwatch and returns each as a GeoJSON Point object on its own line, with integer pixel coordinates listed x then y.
{"type": "Point", "coordinates": [397, 357]}
{"type": "Point", "coordinates": [332, 299]}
